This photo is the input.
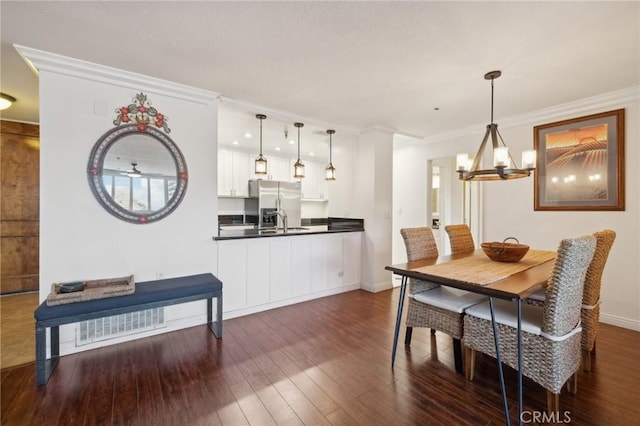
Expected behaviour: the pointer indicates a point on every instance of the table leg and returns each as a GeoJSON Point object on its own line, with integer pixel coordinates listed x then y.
{"type": "Point", "coordinates": [519, 304]}
{"type": "Point", "coordinates": [497, 344]}
{"type": "Point", "coordinates": [403, 288]}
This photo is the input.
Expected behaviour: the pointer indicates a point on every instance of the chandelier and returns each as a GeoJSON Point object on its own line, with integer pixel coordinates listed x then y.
{"type": "Point", "coordinates": [504, 167]}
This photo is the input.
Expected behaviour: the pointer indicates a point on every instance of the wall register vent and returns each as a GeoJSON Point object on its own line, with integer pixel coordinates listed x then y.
{"type": "Point", "coordinates": [100, 329]}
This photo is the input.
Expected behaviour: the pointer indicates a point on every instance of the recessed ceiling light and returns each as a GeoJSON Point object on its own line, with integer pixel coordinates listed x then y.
{"type": "Point", "coordinates": [248, 135]}
{"type": "Point", "coordinates": [292, 142]}
{"type": "Point", "coordinates": [312, 154]}
{"type": "Point", "coordinates": [277, 148]}
{"type": "Point", "coordinates": [235, 142]}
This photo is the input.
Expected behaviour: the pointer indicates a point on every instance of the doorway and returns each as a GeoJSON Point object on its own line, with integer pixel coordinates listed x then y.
{"type": "Point", "coordinates": [451, 201]}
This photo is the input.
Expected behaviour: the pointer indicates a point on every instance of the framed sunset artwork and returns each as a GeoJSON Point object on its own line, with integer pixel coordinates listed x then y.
{"type": "Point", "coordinates": [580, 163]}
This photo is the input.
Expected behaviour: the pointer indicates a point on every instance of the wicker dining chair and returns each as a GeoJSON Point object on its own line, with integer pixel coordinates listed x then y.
{"type": "Point", "coordinates": [430, 305]}
{"type": "Point", "coordinates": [550, 334]}
{"type": "Point", "coordinates": [460, 238]}
{"type": "Point", "coordinates": [590, 311]}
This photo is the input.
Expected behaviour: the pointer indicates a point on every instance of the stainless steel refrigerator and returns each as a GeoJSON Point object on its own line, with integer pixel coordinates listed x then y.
{"type": "Point", "coordinates": [267, 196]}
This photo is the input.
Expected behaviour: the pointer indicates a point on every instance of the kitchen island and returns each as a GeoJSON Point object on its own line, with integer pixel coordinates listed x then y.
{"type": "Point", "coordinates": [262, 272]}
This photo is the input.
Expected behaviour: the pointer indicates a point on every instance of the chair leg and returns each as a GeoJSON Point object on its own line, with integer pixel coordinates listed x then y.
{"type": "Point", "coordinates": [407, 336]}
{"type": "Point", "coordinates": [553, 402]}
{"type": "Point", "coordinates": [572, 383]}
{"type": "Point", "coordinates": [457, 355]}
{"type": "Point", "coordinates": [433, 331]}
{"type": "Point", "coordinates": [470, 363]}
{"type": "Point", "coordinates": [586, 360]}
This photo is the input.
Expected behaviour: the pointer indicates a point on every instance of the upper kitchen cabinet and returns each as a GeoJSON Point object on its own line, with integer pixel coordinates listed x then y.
{"type": "Point", "coordinates": [314, 187]}
{"type": "Point", "coordinates": [278, 169]}
{"type": "Point", "coordinates": [233, 173]}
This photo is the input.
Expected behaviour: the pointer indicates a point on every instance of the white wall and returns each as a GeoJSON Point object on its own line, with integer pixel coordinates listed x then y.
{"type": "Point", "coordinates": [342, 200]}
{"type": "Point", "coordinates": [410, 190]}
{"type": "Point", "coordinates": [374, 188]}
{"type": "Point", "coordinates": [78, 238]}
{"type": "Point", "coordinates": [508, 206]}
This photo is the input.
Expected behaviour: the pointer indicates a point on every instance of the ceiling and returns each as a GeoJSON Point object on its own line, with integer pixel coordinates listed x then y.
{"type": "Point", "coordinates": [415, 68]}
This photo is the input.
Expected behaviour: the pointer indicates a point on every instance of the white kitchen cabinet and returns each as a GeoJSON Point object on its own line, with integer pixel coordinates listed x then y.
{"type": "Point", "coordinates": [263, 273]}
{"type": "Point", "coordinates": [352, 258]}
{"type": "Point", "coordinates": [258, 266]}
{"type": "Point", "coordinates": [233, 173]}
{"type": "Point", "coordinates": [318, 256]}
{"type": "Point", "coordinates": [335, 261]}
{"type": "Point", "coordinates": [278, 169]}
{"type": "Point", "coordinates": [280, 277]}
{"type": "Point", "coordinates": [301, 266]}
{"type": "Point", "coordinates": [232, 271]}
{"type": "Point", "coordinates": [314, 186]}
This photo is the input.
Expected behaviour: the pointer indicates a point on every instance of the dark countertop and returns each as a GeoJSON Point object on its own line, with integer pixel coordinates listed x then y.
{"type": "Point", "coordinates": [335, 225]}
{"type": "Point", "coordinates": [255, 233]}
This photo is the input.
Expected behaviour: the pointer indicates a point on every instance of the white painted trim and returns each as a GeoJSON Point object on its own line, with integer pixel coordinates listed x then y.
{"type": "Point", "coordinates": [284, 115]}
{"type": "Point", "coordinates": [619, 321]}
{"type": "Point", "coordinates": [39, 60]}
{"type": "Point", "coordinates": [570, 109]}
{"type": "Point", "coordinates": [375, 288]}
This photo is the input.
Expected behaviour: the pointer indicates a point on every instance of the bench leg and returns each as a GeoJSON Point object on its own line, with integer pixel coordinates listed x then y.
{"type": "Point", "coordinates": [44, 366]}
{"type": "Point", "coordinates": [216, 327]}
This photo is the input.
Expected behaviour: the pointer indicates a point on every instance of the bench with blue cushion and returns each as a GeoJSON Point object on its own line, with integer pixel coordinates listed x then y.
{"type": "Point", "coordinates": [147, 295]}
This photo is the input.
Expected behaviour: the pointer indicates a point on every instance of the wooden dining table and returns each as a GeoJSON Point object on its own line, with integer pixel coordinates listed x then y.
{"type": "Point", "coordinates": [475, 272]}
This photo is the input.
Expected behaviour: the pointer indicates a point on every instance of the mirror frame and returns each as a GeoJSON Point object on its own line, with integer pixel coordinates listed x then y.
{"type": "Point", "coordinates": [95, 170]}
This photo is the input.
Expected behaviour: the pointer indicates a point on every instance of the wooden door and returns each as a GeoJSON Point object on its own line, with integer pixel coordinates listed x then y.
{"type": "Point", "coordinates": [19, 207]}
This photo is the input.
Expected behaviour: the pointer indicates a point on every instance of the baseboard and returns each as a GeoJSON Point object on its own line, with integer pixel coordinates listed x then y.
{"type": "Point", "coordinates": [374, 288]}
{"type": "Point", "coordinates": [618, 321]}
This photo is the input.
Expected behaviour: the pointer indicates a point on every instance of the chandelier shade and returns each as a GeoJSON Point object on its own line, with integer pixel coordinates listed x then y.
{"type": "Point", "coordinates": [504, 166]}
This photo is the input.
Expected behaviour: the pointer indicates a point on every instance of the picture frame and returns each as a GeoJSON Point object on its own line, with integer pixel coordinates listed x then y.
{"type": "Point", "coordinates": [580, 163]}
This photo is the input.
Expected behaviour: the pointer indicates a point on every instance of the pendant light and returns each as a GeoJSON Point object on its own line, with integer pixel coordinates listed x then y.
{"type": "Point", "coordinates": [298, 167]}
{"type": "Point", "coordinates": [504, 167]}
{"type": "Point", "coordinates": [330, 171]}
{"type": "Point", "coordinates": [261, 162]}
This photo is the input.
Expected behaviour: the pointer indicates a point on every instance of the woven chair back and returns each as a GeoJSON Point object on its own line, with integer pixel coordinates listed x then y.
{"type": "Point", "coordinates": [460, 238]}
{"type": "Point", "coordinates": [419, 243]}
{"type": "Point", "coordinates": [593, 280]}
{"type": "Point", "coordinates": [565, 285]}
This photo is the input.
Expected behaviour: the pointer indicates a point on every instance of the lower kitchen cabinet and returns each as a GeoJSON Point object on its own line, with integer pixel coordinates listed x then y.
{"type": "Point", "coordinates": [264, 273]}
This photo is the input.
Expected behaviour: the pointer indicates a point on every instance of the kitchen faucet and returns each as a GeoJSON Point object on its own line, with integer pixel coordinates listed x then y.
{"type": "Point", "coordinates": [283, 216]}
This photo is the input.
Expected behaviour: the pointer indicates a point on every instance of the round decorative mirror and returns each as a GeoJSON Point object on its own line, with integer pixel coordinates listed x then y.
{"type": "Point", "coordinates": [137, 173]}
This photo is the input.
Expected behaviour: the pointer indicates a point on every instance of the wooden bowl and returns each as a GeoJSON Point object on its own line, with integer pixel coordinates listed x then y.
{"type": "Point", "coordinates": [504, 251]}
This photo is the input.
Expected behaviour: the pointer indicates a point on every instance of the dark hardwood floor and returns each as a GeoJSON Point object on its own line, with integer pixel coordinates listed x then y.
{"type": "Point", "coordinates": [321, 362]}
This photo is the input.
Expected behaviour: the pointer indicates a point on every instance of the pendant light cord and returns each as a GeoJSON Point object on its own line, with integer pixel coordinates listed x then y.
{"type": "Point", "coordinates": [492, 100]}
{"type": "Point", "coordinates": [330, 148]}
{"type": "Point", "coordinates": [261, 136]}
{"type": "Point", "coordinates": [298, 143]}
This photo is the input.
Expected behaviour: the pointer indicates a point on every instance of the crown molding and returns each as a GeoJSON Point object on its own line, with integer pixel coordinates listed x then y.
{"type": "Point", "coordinates": [284, 115]}
{"type": "Point", "coordinates": [555, 113]}
{"type": "Point", "coordinates": [39, 60]}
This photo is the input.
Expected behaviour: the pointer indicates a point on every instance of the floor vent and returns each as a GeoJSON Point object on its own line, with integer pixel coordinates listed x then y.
{"type": "Point", "coordinates": [115, 326]}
